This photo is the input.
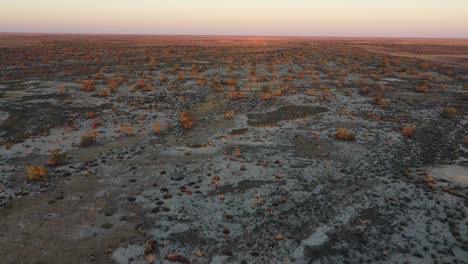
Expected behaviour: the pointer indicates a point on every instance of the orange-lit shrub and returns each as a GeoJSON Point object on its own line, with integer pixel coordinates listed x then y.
{"type": "Point", "coordinates": [266, 96]}
{"type": "Point", "coordinates": [408, 131]}
{"type": "Point", "coordinates": [310, 92]}
{"type": "Point", "coordinates": [422, 89]}
{"type": "Point", "coordinates": [228, 114]}
{"type": "Point", "coordinates": [449, 112]}
{"type": "Point", "coordinates": [104, 92]}
{"type": "Point", "coordinates": [237, 95]}
{"type": "Point", "coordinates": [56, 158]}
{"type": "Point", "coordinates": [128, 130]}
{"type": "Point", "coordinates": [88, 86]}
{"type": "Point", "coordinates": [186, 119]}
{"type": "Point", "coordinates": [157, 128]}
{"type": "Point", "coordinates": [229, 82]}
{"type": "Point", "coordinates": [36, 173]}
{"type": "Point", "coordinates": [344, 135]}
{"type": "Point", "coordinates": [88, 139]}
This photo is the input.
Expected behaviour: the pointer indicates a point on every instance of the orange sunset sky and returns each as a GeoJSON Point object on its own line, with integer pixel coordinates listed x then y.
{"type": "Point", "coordinates": [372, 18]}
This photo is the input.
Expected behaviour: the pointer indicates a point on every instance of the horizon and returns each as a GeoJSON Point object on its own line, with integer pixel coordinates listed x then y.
{"type": "Point", "coordinates": [225, 35]}
{"type": "Point", "coordinates": [297, 18]}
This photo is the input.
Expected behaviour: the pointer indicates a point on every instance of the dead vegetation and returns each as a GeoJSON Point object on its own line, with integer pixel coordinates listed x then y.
{"type": "Point", "coordinates": [344, 135]}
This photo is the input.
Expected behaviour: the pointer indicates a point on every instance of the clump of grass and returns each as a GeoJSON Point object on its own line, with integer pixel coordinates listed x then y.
{"type": "Point", "coordinates": [88, 86]}
{"type": "Point", "coordinates": [57, 158]}
{"type": "Point", "coordinates": [422, 89]}
{"type": "Point", "coordinates": [449, 112]}
{"type": "Point", "coordinates": [36, 173]}
{"type": "Point", "coordinates": [364, 90]}
{"type": "Point", "coordinates": [229, 82]}
{"type": "Point", "coordinates": [187, 120]}
{"type": "Point", "coordinates": [237, 95]}
{"type": "Point", "coordinates": [228, 114]}
{"type": "Point", "coordinates": [104, 92]}
{"type": "Point", "coordinates": [266, 96]}
{"type": "Point", "coordinates": [90, 114]}
{"type": "Point", "coordinates": [310, 92]}
{"type": "Point", "coordinates": [88, 139]}
{"type": "Point", "coordinates": [128, 130]}
{"type": "Point", "coordinates": [157, 128]}
{"type": "Point", "coordinates": [344, 135]}
{"type": "Point", "coordinates": [408, 131]}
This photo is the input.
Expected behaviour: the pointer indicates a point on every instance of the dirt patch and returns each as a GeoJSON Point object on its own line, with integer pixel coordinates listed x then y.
{"type": "Point", "coordinates": [26, 120]}
{"type": "Point", "coordinates": [284, 113]}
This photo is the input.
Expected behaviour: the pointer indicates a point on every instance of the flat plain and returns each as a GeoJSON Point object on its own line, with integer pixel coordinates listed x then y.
{"type": "Point", "coordinates": [227, 149]}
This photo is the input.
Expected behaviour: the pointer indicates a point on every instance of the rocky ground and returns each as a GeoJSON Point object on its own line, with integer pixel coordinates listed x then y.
{"type": "Point", "coordinates": [261, 177]}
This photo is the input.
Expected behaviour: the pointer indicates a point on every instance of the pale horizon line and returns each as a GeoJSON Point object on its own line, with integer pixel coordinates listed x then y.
{"type": "Point", "coordinates": [222, 35]}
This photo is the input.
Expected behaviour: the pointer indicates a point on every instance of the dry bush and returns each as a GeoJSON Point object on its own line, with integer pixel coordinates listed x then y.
{"type": "Point", "coordinates": [229, 82]}
{"type": "Point", "coordinates": [88, 86]}
{"type": "Point", "coordinates": [113, 84]}
{"type": "Point", "coordinates": [422, 89]}
{"type": "Point", "coordinates": [128, 130]}
{"type": "Point", "coordinates": [90, 114]}
{"type": "Point", "coordinates": [310, 92]}
{"type": "Point", "coordinates": [237, 95]}
{"type": "Point", "coordinates": [202, 82]}
{"type": "Point", "coordinates": [148, 87]}
{"type": "Point", "coordinates": [289, 78]}
{"type": "Point", "coordinates": [157, 128]}
{"type": "Point", "coordinates": [180, 76]}
{"type": "Point", "coordinates": [61, 90]}
{"type": "Point", "coordinates": [378, 98]}
{"type": "Point", "coordinates": [104, 92]}
{"type": "Point", "coordinates": [449, 112]}
{"type": "Point", "coordinates": [408, 131]}
{"type": "Point", "coordinates": [99, 75]}
{"type": "Point", "coordinates": [262, 78]}
{"type": "Point", "coordinates": [163, 79]}
{"type": "Point", "coordinates": [88, 139]}
{"type": "Point", "coordinates": [56, 158]}
{"type": "Point", "coordinates": [218, 88]}
{"type": "Point", "coordinates": [36, 173]}
{"type": "Point", "coordinates": [228, 114]}
{"type": "Point", "coordinates": [95, 123]}
{"type": "Point", "coordinates": [278, 93]}
{"type": "Point", "coordinates": [266, 96]}
{"type": "Point", "coordinates": [187, 120]}
{"type": "Point", "coordinates": [364, 90]}
{"type": "Point", "coordinates": [344, 135]}
{"type": "Point", "coordinates": [348, 92]}
{"type": "Point", "coordinates": [170, 126]}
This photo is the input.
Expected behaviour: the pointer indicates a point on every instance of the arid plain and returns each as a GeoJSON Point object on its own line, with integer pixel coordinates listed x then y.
{"type": "Point", "coordinates": [204, 149]}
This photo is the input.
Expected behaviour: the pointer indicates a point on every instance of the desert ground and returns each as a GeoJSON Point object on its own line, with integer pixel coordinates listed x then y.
{"type": "Point", "coordinates": [209, 149]}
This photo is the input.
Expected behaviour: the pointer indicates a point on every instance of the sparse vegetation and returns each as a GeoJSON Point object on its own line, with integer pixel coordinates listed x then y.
{"type": "Point", "coordinates": [344, 135]}
{"type": "Point", "coordinates": [186, 119]}
{"type": "Point", "coordinates": [57, 158]}
{"type": "Point", "coordinates": [408, 131]}
{"type": "Point", "coordinates": [36, 173]}
{"type": "Point", "coordinates": [157, 128]}
{"type": "Point", "coordinates": [449, 112]}
{"type": "Point", "coordinates": [88, 139]}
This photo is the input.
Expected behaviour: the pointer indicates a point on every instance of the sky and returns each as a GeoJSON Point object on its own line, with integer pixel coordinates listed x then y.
{"type": "Point", "coordinates": [358, 18]}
